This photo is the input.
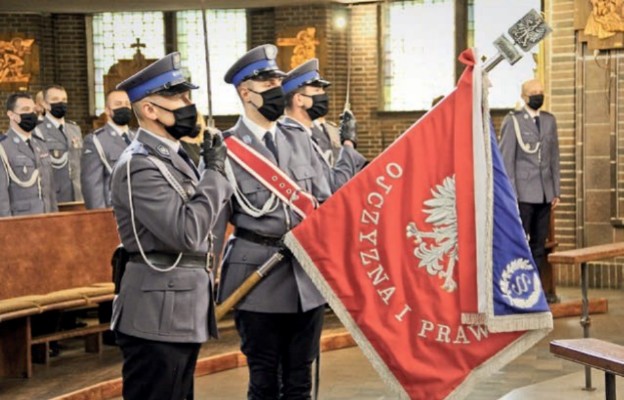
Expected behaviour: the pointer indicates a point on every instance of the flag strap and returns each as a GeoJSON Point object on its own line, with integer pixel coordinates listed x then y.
{"type": "Point", "coordinates": [271, 177]}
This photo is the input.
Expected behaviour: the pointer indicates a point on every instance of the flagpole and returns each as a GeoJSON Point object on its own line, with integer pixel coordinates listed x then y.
{"type": "Point", "coordinates": [210, 121]}
{"type": "Point", "coordinates": [347, 105]}
{"type": "Point", "coordinates": [247, 286]}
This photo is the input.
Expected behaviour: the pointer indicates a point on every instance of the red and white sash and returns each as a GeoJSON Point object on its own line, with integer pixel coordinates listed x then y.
{"type": "Point", "coordinates": [271, 177]}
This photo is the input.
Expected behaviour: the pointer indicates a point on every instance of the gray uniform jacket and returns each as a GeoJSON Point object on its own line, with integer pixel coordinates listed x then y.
{"type": "Point", "coordinates": [65, 150]}
{"type": "Point", "coordinates": [327, 137]}
{"type": "Point", "coordinates": [94, 173]}
{"type": "Point", "coordinates": [534, 174]}
{"type": "Point", "coordinates": [287, 289]}
{"type": "Point", "coordinates": [348, 163]}
{"type": "Point", "coordinates": [16, 198]}
{"type": "Point", "coordinates": [174, 306]}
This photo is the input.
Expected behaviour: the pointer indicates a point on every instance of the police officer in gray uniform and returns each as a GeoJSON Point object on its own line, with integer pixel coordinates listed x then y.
{"type": "Point", "coordinates": [280, 320]}
{"type": "Point", "coordinates": [102, 149]}
{"type": "Point", "coordinates": [306, 101]}
{"type": "Point", "coordinates": [530, 149]}
{"type": "Point", "coordinates": [64, 140]}
{"type": "Point", "coordinates": [165, 213]}
{"type": "Point", "coordinates": [26, 179]}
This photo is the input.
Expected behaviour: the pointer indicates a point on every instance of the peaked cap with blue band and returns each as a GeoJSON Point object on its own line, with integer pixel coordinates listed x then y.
{"type": "Point", "coordinates": [255, 63]}
{"type": "Point", "coordinates": [164, 75]}
{"type": "Point", "coordinates": [304, 75]}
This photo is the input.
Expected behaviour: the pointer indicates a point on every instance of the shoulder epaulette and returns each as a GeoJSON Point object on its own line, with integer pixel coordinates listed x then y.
{"type": "Point", "coordinates": [331, 123]}
{"type": "Point", "coordinates": [289, 125]}
{"type": "Point", "coordinates": [38, 135]}
{"type": "Point", "coordinates": [99, 130]}
{"type": "Point", "coordinates": [69, 121]}
{"type": "Point", "coordinates": [39, 138]}
{"type": "Point", "coordinates": [137, 148]}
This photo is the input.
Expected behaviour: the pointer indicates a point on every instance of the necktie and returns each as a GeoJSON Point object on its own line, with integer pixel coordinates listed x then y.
{"type": "Point", "coordinates": [127, 139]}
{"type": "Point", "coordinates": [537, 123]}
{"type": "Point", "coordinates": [62, 129]}
{"type": "Point", "coordinates": [270, 144]}
{"type": "Point", "coordinates": [30, 145]}
{"type": "Point", "coordinates": [187, 159]}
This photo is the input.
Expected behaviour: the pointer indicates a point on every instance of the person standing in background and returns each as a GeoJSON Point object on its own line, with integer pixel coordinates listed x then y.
{"type": "Point", "coordinates": [102, 149]}
{"type": "Point", "coordinates": [64, 141]}
{"type": "Point", "coordinates": [530, 149]}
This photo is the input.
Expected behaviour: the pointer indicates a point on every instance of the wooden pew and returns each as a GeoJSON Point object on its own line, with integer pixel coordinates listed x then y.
{"type": "Point", "coordinates": [580, 257]}
{"type": "Point", "coordinates": [51, 262]}
{"type": "Point", "coordinates": [593, 353]}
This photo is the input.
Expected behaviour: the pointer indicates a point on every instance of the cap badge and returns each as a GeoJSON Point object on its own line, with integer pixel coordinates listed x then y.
{"type": "Point", "coordinates": [270, 52]}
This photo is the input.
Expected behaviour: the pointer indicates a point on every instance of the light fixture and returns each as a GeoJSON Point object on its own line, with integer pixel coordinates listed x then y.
{"type": "Point", "coordinates": [340, 21]}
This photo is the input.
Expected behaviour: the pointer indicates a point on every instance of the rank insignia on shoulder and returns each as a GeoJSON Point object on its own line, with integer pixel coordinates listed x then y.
{"type": "Point", "coordinates": [247, 139]}
{"type": "Point", "coordinates": [162, 149]}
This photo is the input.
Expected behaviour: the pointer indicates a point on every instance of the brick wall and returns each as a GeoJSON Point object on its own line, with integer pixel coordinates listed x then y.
{"type": "Point", "coordinates": [261, 26]}
{"type": "Point", "coordinates": [62, 47]}
{"type": "Point", "coordinates": [577, 86]}
{"type": "Point", "coordinates": [560, 79]}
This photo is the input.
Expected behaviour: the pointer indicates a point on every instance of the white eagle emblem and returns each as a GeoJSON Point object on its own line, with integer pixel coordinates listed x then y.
{"type": "Point", "coordinates": [437, 249]}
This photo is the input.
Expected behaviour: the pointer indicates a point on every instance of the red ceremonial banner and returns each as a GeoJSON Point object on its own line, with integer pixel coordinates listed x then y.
{"type": "Point", "coordinates": [394, 253]}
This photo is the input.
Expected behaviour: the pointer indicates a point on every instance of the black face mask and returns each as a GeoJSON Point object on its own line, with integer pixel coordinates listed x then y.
{"type": "Point", "coordinates": [320, 106]}
{"type": "Point", "coordinates": [122, 115]}
{"type": "Point", "coordinates": [185, 121]}
{"type": "Point", "coordinates": [273, 103]}
{"type": "Point", "coordinates": [536, 101]}
{"type": "Point", "coordinates": [28, 121]}
{"type": "Point", "coordinates": [58, 109]}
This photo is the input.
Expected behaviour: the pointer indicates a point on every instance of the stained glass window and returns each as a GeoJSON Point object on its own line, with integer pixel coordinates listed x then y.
{"type": "Point", "coordinates": [113, 36]}
{"type": "Point", "coordinates": [227, 41]}
{"type": "Point", "coordinates": [419, 49]}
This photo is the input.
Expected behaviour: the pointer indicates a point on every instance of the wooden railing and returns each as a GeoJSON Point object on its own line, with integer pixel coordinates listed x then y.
{"type": "Point", "coordinates": [593, 353]}
{"type": "Point", "coordinates": [580, 257]}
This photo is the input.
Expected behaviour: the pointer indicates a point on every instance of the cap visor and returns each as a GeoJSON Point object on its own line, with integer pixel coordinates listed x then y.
{"type": "Point", "coordinates": [318, 82]}
{"type": "Point", "coordinates": [268, 74]}
{"type": "Point", "coordinates": [176, 89]}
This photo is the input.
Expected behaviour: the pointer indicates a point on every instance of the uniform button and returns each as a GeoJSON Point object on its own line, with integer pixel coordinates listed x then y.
{"type": "Point", "coordinates": [170, 284]}
{"type": "Point", "coordinates": [244, 258]}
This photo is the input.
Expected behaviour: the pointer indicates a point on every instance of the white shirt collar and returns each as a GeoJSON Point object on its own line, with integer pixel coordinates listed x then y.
{"type": "Point", "coordinates": [172, 144]}
{"type": "Point", "coordinates": [259, 131]}
{"type": "Point", "coordinates": [533, 113]}
{"type": "Point", "coordinates": [117, 130]}
{"type": "Point", "coordinates": [55, 121]}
